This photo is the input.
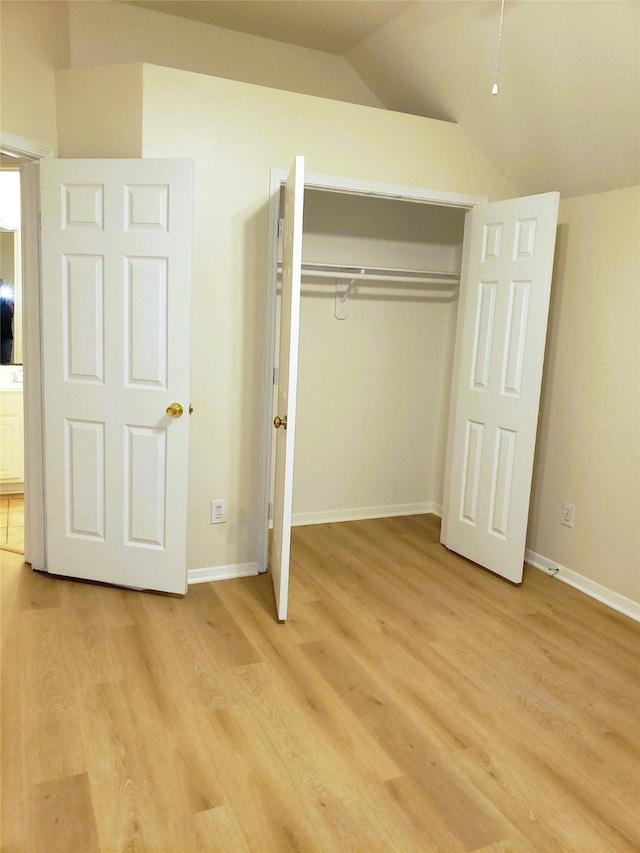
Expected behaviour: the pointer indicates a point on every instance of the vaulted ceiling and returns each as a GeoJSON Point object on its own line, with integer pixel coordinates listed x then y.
{"type": "Point", "coordinates": [567, 115]}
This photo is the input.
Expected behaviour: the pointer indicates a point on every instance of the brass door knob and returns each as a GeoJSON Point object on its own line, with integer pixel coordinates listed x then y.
{"type": "Point", "coordinates": [280, 422]}
{"type": "Point", "coordinates": [174, 410]}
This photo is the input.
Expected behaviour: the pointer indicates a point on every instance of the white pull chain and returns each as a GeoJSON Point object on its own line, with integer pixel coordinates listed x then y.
{"type": "Point", "coordinates": [494, 88]}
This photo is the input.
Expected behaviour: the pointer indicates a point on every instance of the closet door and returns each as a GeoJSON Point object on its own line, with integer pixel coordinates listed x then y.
{"type": "Point", "coordinates": [285, 420]}
{"type": "Point", "coordinates": [502, 324]}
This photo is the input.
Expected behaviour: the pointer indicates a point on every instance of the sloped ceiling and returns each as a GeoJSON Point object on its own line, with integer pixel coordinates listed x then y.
{"type": "Point", "coordinates": [333, 26]}
{"type": "Point", "coordinates": [567, 116]}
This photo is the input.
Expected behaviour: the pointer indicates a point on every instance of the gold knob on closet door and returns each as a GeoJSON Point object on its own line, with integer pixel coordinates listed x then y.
{"type": "Point", "coordinates": [280, 422]}
{"type": "Point", "coordinates": [174, 410]}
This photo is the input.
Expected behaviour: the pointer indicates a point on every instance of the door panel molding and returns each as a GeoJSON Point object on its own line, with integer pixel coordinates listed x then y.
{"type": "Point", "coordinates": [498, 361]}
{"type": "Point", "coordinates": [116, 319]}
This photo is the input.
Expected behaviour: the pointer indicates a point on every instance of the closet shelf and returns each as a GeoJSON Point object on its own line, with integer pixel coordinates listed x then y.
{"type": "Point", "coordinates": [347, 276]}
{"type": "Point", "coordinates": [368, 273]}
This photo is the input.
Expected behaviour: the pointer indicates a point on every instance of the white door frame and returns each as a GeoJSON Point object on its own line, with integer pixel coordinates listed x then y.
{"type": "Point", "coordinates": [330, 183]}
{"type": "Point", "coordinates": [34, 517]}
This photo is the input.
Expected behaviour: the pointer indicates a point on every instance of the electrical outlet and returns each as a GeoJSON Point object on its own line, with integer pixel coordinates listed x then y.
{"type": "Point", "coordinates": [568, 511]}
{"type": "Point", "coordinates": [218, 511]}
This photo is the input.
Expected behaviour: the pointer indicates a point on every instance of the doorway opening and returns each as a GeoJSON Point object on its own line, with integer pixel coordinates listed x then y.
{"type": "Point", "coordinates": [22, 155]}
{"type": "Point", "coordinates": [316, 186]}
{"type": "Point", "coordinates": [404, 262]}
{"type": "Point", "coordinates": [12, 360]}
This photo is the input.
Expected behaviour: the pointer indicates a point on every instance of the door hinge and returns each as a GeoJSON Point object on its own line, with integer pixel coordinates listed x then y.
{"type": "Point", "coordinates": [280, 227]}
{"type": "Point", "coordinates": [270, 511]}
{"type": "Point", "coordinates": [275, 375]}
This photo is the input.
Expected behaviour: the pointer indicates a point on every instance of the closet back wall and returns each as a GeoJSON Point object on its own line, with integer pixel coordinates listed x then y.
{"type": "Point", "coordinates": [373, 389]}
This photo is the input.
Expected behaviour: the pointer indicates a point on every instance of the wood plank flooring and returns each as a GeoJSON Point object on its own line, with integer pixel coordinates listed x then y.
{"type": "Point", "coordinates": [413, 702]}
{"type": "Point", "coordinates": [12, 523]}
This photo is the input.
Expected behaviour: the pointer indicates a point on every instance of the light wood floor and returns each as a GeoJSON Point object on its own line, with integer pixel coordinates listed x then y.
{"type": "Point", "coordinates": [413, 702]}
{"type": "Point", "coordinates": [12, 523]}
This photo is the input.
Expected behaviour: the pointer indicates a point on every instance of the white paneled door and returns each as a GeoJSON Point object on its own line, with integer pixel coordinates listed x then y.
{"type": "Point", "coordinates": [502, 325]}
{"type": "Point", "coordinates": [115, 311]}
{"type": "Point", "coordinates": [285, 421]}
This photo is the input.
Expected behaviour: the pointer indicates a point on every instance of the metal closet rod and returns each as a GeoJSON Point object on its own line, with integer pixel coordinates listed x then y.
{"type": "Point", "coordinates": [355, 273]}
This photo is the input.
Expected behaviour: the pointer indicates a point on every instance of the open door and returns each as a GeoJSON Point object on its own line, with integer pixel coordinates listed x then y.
{"type": "Point", "coordinates": [500, 341]}
{"type": "Point", "coordinates": [285, 421]}
{"type": "Point", "coordinates": [115, 312]}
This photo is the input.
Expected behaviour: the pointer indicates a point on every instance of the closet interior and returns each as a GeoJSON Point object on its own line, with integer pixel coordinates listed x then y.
{"type": "Point", "coordinates": [380, 282]}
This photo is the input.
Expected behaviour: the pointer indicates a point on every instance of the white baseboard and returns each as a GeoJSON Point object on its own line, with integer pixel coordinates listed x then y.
{"type": "Point", "coordinates": [300, 519]}
{"type": "Point", "coordinates": [612, 599]}
{"type": "Point", "coordinates": [11, 488]}
{"type": "Point", "coordinates": [222, 573]}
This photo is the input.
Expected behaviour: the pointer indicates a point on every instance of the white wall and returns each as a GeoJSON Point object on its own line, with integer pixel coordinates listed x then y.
{"type": "Point", "coordinates": [589, 437]}
{"type": "Point", "coordinates": [100, 111]}
{"type": "Point", "coordinates": [10, 200]}
{"type": "Point", "coordinates": [108, 33]}
{"type": "Point", "coordinates": [33, 43]}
